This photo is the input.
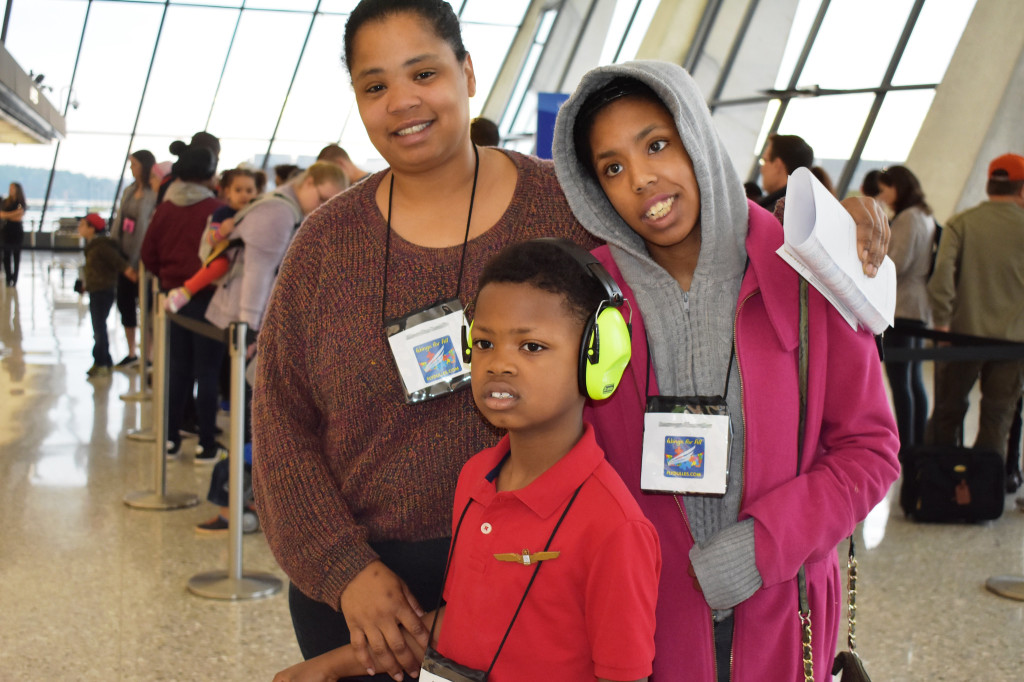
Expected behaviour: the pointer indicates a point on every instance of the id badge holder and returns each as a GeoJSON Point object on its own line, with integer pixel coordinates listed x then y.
{"type": "Point", "coordinates": [128, 225]}
{"type": "Point", "coordinates": [437, 668]}
{"type": "Point", "coordinates": [686, 445]}
{"type": "Point", "coordinates": [427, 350]}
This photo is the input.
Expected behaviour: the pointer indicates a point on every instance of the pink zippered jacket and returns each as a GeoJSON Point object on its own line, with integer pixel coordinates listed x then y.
{"type": "Point", "coordinates": [849, 463]}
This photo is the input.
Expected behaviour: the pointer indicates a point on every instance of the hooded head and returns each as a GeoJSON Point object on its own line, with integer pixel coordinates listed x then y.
{"type": "Point", "coordinates": [720, 218]}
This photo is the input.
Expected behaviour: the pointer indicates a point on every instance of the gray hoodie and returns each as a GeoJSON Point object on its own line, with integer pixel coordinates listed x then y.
{"type": "Point", "coordinates": [690, 334]}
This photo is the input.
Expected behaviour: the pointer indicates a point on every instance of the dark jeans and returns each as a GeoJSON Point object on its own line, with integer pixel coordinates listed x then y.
{"type": "Point", "coordinates": [100, 303]}
{"type": "Point", "coordinates": [220, 480]}
{"type": "Point", "coordinates": [13, 236]}
{"type": "Point", "coordinates": [319, 628]}
{"type": "Point", "coordinates": [910, 402]}
{"type": "Point", "coordinates": [195, 360]}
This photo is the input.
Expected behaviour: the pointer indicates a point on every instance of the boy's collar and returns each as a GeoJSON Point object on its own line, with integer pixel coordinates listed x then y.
{"type": "Point", "coordinates": [549, 492]}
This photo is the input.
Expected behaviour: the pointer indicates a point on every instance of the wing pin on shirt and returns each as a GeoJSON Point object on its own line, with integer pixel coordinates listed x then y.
{"type": "Point", "coordinates": [526, 558]}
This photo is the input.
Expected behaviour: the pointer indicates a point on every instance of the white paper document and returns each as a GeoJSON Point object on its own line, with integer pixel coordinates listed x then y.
{"type": "Point", "coordinates": [821, 244]}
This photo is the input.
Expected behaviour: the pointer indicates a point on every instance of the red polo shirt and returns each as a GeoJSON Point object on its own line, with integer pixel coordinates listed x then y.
{"type": "Point", "coordinates": [590, 612]}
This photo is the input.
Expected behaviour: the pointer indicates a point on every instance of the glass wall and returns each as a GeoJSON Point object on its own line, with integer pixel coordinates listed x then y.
{"type": "Point", "coordinates": [863, 90]}
{"type": "Point", "coordinates": [262, 75]}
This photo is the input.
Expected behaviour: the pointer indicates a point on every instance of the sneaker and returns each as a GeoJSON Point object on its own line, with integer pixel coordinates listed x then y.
{"type": "Point", "coordinates": [173, 450]}
{"type": "Point", "coordinates": [97, 371]}
{"type": "Point", "coordinates": [217, 453]}
{"type": "Point", "coordinates": [128, 361]}
{"type": "Point", "coordinates": [250, 522]}
{"type": "Point", "coordinates": [218, 525]}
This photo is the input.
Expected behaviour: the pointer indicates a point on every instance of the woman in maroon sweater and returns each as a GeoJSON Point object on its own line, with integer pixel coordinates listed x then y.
{"type": "Point", "coordinates": [170, 251]}
{"type": "Point", "coordinates": [354, 486]}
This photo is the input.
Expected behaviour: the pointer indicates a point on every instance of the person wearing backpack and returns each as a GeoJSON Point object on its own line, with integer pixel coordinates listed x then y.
{"type": "Point", "coordinates": [261, 235]}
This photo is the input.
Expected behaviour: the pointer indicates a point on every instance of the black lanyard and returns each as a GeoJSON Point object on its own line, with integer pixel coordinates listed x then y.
{"type": "Point", "coordinates": [465, 239]}
{"type": "Point", "coordinates": [533, 577]}
{"type": "Point", "coordinates": [647, 379]}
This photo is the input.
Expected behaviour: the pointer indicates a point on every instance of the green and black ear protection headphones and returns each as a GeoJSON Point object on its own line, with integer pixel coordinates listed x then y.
{"type": "Point", "coordinates": [605, 349]}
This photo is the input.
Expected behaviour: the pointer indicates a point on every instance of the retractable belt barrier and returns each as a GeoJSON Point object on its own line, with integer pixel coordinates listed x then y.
{"type": "Point", "coordinates": [159, 498]}
{"type": "Point", "coordinates": [962, 348]}
{"type": "Point", "coordinates": [232, 584]}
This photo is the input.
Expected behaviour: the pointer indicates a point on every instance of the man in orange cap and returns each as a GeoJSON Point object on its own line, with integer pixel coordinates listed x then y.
{"type": "Point", "coordinates": [977, 288]}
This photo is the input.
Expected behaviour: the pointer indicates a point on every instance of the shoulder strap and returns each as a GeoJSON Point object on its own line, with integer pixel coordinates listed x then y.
{"type": "Point", "coordinates": [801, 577]}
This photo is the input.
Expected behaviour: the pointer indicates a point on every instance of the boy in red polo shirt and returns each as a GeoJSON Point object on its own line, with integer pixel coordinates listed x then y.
{"type": "Point", "coordinates": [553, 571]}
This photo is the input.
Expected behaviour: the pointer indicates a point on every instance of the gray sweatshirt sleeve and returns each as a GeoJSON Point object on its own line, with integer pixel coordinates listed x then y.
{"type": "Point", "coordinates": [267, 232]}
{"type": "Point", "coordinates": [725, 566]}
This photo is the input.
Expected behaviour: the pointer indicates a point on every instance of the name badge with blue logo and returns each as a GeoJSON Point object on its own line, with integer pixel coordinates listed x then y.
{"type": "Point", "coordinates": [426, 346]}
{"type": "Point", "coordinates": [686, 445]}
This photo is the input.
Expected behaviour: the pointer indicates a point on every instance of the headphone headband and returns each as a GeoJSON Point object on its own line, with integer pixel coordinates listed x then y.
{"type": "Point", "coordinates": [589, 263]}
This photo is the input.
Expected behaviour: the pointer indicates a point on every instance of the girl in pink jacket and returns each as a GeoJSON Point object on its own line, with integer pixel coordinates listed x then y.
{"type": "Point", "coordinates": [715, 323]}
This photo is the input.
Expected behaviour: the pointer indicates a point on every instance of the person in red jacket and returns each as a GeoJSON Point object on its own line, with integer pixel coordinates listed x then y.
{"type": "Point", "coordinates": [171, 252]}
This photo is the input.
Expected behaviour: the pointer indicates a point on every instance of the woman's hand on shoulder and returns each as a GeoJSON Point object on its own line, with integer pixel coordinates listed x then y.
{"type": "Point", "coordinates": [873, 231]}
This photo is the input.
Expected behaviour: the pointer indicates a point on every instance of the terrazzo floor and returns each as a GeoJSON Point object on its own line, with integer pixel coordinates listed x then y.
{"type": "Point", "coordinates": [91, 589]}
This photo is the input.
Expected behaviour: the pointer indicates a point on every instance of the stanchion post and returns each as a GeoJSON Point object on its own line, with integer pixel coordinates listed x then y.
{"type": "Point", "coordinates": [146, 283]}
{"type": "Point", "coordinates": [233, 584]}
{"type": "Point", "coordinates": [159, 498]}
{"type": "Point", "coordinates": [143, 394]}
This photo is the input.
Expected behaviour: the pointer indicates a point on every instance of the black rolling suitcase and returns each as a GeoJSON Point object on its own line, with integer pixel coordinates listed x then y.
{"type": "Point", "coordinates": [949, 484]}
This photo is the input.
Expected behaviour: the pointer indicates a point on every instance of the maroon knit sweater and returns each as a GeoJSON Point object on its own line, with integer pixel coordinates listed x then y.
{"type": "Point", "coordinates": [339, 459]}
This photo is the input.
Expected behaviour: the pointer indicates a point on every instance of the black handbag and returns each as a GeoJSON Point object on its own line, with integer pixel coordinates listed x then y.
{"type": "Point", "coordinates": [949, 484]}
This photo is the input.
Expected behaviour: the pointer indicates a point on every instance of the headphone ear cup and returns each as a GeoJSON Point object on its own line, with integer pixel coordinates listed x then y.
{"type": "Point", "coordinates": [467, 344]}
{"type": "Point", "coordinates": [605, 353]}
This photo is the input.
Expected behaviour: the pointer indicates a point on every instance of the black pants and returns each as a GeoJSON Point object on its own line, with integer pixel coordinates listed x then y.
{"type": "Point", "coordinates": [127, 300]}
{"type": "Point", "coordinates": [910, 401]}
{"type": "Point", "coordinates": [13, 236]}
{"type": "Point", "coordinates": [194, 361]}
{"type": "Point", "coordinates": [319, 628]}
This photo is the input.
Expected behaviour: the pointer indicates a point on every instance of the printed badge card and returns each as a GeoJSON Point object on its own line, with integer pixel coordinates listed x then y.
{"type": "Point", "coordinates": [685, 453]}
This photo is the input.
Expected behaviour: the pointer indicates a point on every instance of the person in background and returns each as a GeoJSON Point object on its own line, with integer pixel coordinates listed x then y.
{"type": "Point", "coordinates": [104, 262]}
{"type": "Point", "coordinates": [484, 132]}
{"type": "Point", "coordinates": [824, 178]}
{"type": "Point", "coordinates": [130, 225]}
{"type": "Point", "coordinates": [171, 252]}
{"type": "Point", "coordinates": [12, 210]}
{"type": "Point", "coordinates": [238, 187]}
{"type": "Point", "coordinates": [869, 185]}
{"type": "Point", "coordinates": [753, 191]}
{"type": "Point", "coordinates": [284, 172]}
{"type": "Point", "coordinates": [262, 234]}
{"type": "Point", "coordinates": [977, 288]}
{"type": "Point", "coordinates": [715, 312]}
{"type": "Point", "coordinates": [203, 140]}
{"type": "Point", "coordinates": [782, 155]}
{"type": "Point", "coordinates": [913, 238]}
{"type": "Point", "coordinates": [336, 155]}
